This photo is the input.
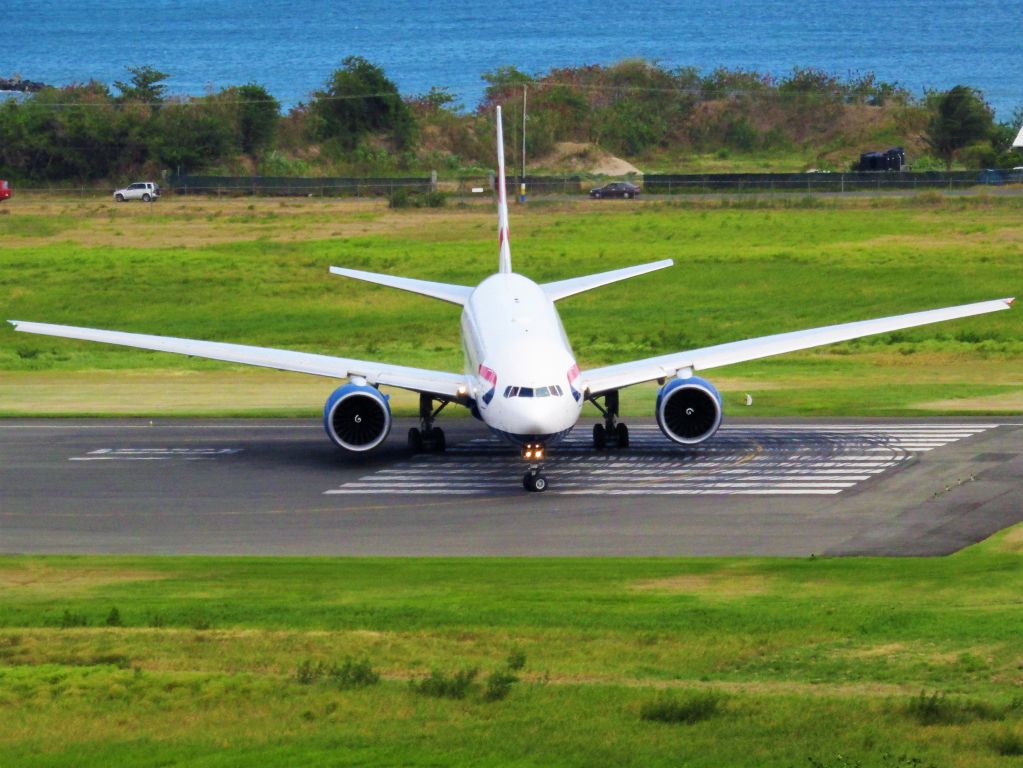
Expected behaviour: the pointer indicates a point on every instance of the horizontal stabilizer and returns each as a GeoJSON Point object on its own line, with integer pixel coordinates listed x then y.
{"type": "Point", "coordinates": [456, 294]}
{"type": "Point", "coordinates": [574, 285]}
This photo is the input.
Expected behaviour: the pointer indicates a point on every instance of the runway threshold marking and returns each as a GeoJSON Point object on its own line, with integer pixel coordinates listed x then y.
{"type": "Point", "coordinates": [154, 454]}
{"type": "Point", "coordinates": [793, 460]}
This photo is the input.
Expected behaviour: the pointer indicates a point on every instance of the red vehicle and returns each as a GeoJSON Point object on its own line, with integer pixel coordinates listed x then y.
{"type": "Point", "coordinates": [5, 189]}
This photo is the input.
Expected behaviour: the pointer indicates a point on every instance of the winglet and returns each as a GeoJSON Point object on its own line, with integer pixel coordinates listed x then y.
{"type": "Point", "coordinates": [504, 259]}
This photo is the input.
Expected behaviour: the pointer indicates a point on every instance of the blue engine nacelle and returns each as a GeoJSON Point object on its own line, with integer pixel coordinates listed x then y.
{"type": "Point", "coordinates": [688, 410]}
{"type": "Point", "coordinates": [357, 417]}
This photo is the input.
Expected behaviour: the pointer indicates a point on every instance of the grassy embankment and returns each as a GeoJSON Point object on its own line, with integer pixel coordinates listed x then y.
{"type": "Point", "coordinates": [781, 662]}
{"type": "Point", "coordinates": [255, 271]}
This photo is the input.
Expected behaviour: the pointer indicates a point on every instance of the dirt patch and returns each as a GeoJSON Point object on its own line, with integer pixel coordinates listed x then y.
{"type": "Point", "coordinates": [721, 584]}
{"type": "Point", "coordinates": [1004, 402]}
{"type": "Point", "coordinates": [588, 158]}
{"type": "Point", "coordinates": [44, 579]}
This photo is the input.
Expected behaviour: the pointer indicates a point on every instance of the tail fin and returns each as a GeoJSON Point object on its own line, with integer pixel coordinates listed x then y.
{"type": "Point", "coordinates": [504, 259]}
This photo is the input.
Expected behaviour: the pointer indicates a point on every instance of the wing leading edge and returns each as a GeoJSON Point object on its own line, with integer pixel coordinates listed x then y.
{"type": "Point", "coordinates": [403, 377]}
{"type": "Point", "coordinates": [610, 377]}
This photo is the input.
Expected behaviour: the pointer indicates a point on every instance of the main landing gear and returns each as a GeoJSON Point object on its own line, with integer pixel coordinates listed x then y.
{"type": "Point", "coordinates": [610, 432]}
{"type": "Point", "coordinates": [534, 479]}
{"type": "Point", "coordinates": [427, 437]}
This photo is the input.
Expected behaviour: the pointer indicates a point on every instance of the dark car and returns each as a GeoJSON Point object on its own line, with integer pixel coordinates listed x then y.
{"type": "Point", "coordinates": [616, 189]}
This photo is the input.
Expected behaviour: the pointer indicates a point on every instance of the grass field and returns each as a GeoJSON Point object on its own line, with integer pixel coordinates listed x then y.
{"type": "Point", "coordinates": [783, 662]}
{"type": "Point", "coordinates": [255, 271]}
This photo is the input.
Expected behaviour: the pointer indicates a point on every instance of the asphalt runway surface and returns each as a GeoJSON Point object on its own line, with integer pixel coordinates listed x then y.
{"type": "Point", "coordinates": [279, 487]}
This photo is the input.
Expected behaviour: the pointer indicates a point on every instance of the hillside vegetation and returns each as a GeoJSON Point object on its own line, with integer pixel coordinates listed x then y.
{"type": "Point", "coordinates": [650, 116]}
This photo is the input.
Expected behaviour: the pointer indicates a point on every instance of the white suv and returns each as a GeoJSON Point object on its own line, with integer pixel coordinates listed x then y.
{"type": "Point", "coordinates": [146, 191]}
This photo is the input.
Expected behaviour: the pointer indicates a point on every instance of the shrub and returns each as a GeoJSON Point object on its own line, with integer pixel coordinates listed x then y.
{"type": "Point", "coordinates": [1008, 743]}
{"type": "Point", "coordinates": [441, 686]}
{"type": "Point", "coordinates": [73, 620]}
{"type": "Point", "coordinates": [499, 685]}
{"type": "Point", "coordinates": [308, 672]}
{"type": "Point", "coordinates": [689, 708]}
{"type": "Point", "coordinates": [113, 618]}
{"type": "Point", "coordinates": [938, 709]}
{"type": "Point", "coordinates": [353, 674]}
{"type": "Point", "coordinates": [434, 200]}
{"type": "Point", "coordinates": [516, 660]}
{"type": "Point", "coordinates": [399, 198]}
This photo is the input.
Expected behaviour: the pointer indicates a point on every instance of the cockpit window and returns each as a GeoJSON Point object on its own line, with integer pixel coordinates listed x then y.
{"type": "Point", "coordinates": [554, 390]}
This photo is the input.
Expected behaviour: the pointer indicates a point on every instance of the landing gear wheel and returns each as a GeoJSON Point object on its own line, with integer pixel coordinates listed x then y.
{"type": "Point", "coordinates": [415, 440]}
{"type": "Point", "coordinates": [438, 444]}
{"type": "Point", "coordinates": [535, 483]}
{"type": "Point", "coordinates": [599, 437]}
{"type": "Point", "coordinates": [623, 436]}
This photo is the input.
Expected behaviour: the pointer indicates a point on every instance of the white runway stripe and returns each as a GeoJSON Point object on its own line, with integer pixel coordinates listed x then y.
{"type": "Point", "coordinates": [767, 460]}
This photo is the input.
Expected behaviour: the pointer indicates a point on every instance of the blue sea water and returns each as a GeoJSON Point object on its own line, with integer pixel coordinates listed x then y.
{"type": "Point", "coordinates": [291, 46]}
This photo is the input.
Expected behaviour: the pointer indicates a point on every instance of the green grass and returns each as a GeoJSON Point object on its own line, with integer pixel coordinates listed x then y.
{"type": "Point", "coordinates": [236, 661]}
{"type": "Point", "coordinates": [744, 268]}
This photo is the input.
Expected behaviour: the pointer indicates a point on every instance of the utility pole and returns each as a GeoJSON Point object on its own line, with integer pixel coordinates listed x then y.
{"type": "Point", "coordinates": [522, 179]}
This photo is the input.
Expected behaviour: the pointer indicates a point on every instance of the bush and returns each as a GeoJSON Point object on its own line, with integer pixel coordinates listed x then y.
{"type": "Point", "coordinates": [308, 673]}
{"type": "Point", "coordinates": [499, 685]}
{"type": "Point", "coordinates": [1008, 744]}
{"type": "Point", "coordinates": [938, 709]}
{"type": "Point", "coordinates": [399, 198]}
{"type": "Point", "coordinates": [689, 708]}
{"type": "Point", "coordinates": [69, 620]}
{"type": "Point", "coordinates": [113, 618]}
{"type": "Point", "coordinates": [353, 674]}
{"type": "Point", "coordinates": [516, 660]}
{"type": "Point", "coordinates": [441, 686]}
{"type": "Point", "coordinates": [434, 200]}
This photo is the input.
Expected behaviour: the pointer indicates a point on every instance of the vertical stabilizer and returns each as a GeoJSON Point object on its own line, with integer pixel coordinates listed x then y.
{"type": "Point", "coordinates": [504, 259]}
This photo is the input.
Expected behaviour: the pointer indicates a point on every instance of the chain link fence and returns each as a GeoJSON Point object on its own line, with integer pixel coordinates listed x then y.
{"type": "Point", "coordinates": [466, 186]}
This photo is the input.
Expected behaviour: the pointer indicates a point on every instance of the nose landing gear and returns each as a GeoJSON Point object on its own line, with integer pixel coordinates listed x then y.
{"type": "Point", "coordinates": [534, 479]}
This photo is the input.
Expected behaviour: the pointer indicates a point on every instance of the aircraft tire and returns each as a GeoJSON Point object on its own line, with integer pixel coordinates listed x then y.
{"type": "Point", "coordinates": [439, 442]}
{"type": "Point", "coordinates": [599, 437]}
{"type": "Point", "coordinates": [535, 483]}
{"type": "Point", "coordinates": [623, 436]}
{"type": "Point", "coordinates": [415, 440]}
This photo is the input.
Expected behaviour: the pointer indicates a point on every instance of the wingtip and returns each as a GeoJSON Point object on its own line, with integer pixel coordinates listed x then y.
{"type": "Point", "coordinates": [1009, 302]}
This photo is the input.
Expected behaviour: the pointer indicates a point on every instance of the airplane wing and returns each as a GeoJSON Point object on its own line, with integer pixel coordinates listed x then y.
{"type": "Point", "coordinates": [415, 379]}
{"type": "Point", "coordinates": [611, 377]}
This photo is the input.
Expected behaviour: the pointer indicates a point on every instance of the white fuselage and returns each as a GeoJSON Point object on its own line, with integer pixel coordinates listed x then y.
{"type": "Point", "coordinates": [519, 360]}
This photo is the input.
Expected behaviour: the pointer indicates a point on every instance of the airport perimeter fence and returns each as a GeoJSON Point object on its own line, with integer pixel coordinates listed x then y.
{"type": "Point", "coordinates": [877, 181]}
{"type": "Point", "coordinates": [287, 186]}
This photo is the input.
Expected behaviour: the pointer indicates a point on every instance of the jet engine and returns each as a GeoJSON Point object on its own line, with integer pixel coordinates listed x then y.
{"type": "Point", "coordinates": [357, 417]}
{"type": "Point", "coordinates": [688, 410]}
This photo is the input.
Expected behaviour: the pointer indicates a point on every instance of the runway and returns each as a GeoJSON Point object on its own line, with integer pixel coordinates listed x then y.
{"type": "Point", "coordinates": [917, 487]}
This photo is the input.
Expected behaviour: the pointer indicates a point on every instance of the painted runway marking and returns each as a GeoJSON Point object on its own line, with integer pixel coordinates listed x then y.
{"type": "Point", "coordinates": [154, 454]}
{"type": "Point", "coordinates": [793, 460]}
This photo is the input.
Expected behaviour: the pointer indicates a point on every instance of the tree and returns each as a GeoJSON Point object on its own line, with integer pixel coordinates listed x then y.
{"type": "Point", "coordinates": [146, 85]}
{"type": "Point", "coordinates": [254, 114]}
{"type": "Point", "coordinates": [959, 117]}
{"type": "Point", "coordinates": [359, 99]}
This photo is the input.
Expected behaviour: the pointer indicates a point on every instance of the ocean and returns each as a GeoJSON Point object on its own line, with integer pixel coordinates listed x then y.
{"type": "Point", "coordinates": [292, 46]}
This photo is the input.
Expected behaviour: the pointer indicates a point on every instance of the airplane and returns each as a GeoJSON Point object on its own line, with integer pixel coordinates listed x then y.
{"type": "Point", "coordinates": [521, 376]}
